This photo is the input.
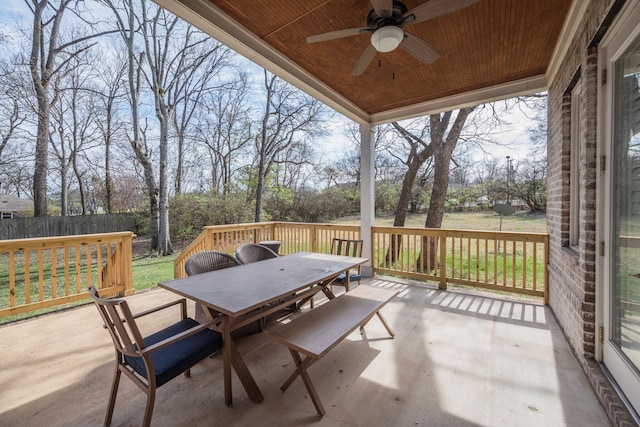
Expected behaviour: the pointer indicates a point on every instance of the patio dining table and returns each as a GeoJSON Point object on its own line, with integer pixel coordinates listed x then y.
{"type": "Point", "coordinates": [238, 296]}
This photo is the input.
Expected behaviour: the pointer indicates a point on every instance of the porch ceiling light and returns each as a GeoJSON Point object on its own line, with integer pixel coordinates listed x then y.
{"type": "Point", "coordinates": [386, 39]}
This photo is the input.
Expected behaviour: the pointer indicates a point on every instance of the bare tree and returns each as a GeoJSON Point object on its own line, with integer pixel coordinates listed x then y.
{"type": "Point", "coordinates": [170, 64]}
{"type": "Point", "coordinates": [127, 24]}
{"type": "Point", "coordinates": [420, 149]}
{"type": "Point", "coordinates": [16, 152]}
{"type": "Point", "coordinates": [110, 76]}
{"type": "Point", "coordinates": [529, 182]}
{"type": "Point", "coordinates": [73, 118]}
{"type": "Point", "coordinates": [203, 62]}
{"type": "Point", "coordinates": [49, 54]}
{"type": "Point", "coordinates": [226, 129]}
{"type": "Point", "coordinates": [12, 116]}
{"type": "Point", "coordinates": [435, 139]}
{"type": "Point", "coordinates": [289, 116]}
{"type": "Point", "coordinates": [166, 64]}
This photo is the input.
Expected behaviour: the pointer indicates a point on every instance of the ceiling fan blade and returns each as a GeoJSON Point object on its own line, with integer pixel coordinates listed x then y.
{"type": "Point", "coordinates": [383, 8]}
{"type": "Point", "coordinates": [435, 8]}
{"type": "Point", "coordinates": [419, 48]}
{"type": "Point", "coordinates": [364, 61]}
{"type": "Point", "coordinates": [338, 34]}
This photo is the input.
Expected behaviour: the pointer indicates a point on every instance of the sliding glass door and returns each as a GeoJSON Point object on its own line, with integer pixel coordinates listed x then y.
{"type": "Point", "coordinates": [621, 347]}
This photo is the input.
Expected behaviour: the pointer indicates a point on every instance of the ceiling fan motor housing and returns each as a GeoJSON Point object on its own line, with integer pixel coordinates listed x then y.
{"type": "Point", "coordinates": [374, 21]}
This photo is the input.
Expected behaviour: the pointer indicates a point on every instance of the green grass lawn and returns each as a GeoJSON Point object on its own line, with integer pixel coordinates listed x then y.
{"type": "Point", "coordinates": [147, 272]}
{"type": "Point", "coordinates": [483, 221]}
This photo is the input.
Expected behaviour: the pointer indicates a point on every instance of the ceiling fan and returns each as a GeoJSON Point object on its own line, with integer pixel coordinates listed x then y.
{"type": "Point", "coordinates": [386, 20]}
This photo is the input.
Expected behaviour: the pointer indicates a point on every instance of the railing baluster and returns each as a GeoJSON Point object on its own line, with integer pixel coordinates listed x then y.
{"type": "Point", "coordinates": [12, 279]}
{"type": "Point", "coordinates": [27, 277]}
{"type": "Point", "coordinates": [514, 263]}
{"type": "Point", "coordinates": [67, 291]}
{"type": "Point", "coordinates": [89, 261]}
{"type": "Point", "coordinates": [41, 274]}
{"type": "Point", "coordinates": [486, 260]}
{"type": "Point", "coordinates": [78, 258]}
{"type": "Point", "coordinates": [535, 266]}
{"type": "Point", "coordinates": [468, 258]}
{"type": "Point", "coordinates": [54, 274]}
{"type": "Point", "coordinates": [524, 264]}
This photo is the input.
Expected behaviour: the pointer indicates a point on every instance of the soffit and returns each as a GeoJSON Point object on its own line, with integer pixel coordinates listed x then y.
{"type": "Point", "coordinates": [490, 44]}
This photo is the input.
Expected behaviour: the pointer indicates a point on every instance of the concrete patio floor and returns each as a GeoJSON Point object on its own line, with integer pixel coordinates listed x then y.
{"type": "Point", "coordinates": [458, 359]}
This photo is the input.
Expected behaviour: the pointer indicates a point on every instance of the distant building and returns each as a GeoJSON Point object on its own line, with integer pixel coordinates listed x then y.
{"type": "Point", "coordinates": [13, 207]}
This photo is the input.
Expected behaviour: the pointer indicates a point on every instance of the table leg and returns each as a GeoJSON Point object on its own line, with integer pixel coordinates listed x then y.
{"type": "Point", "coordinates": [231, 357]}
{"type": "Point", "coordinates": [227, 345]}
{"type": "Point", "coordinates": [249, 384]}
{"type": "Point", "coordinates": [328, 292]}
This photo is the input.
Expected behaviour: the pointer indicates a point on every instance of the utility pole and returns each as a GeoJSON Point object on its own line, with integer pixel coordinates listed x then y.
{"type": "Point", "coordinates": [509, 160]}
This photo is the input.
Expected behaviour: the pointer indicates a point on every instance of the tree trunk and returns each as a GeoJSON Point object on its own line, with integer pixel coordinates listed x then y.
{"type": "Point", "coordinates": [42, 157]}
{"type": "Point", "coordinates": [64, 189]}
{"type": "Point", "coordinates": [427, 261]}
{"type": "Point", "coordinates": [268, 83]}
{"type": "Point", "coordinates": [164, 240]}
{"type": "Point", "coordinates": [401, 211]}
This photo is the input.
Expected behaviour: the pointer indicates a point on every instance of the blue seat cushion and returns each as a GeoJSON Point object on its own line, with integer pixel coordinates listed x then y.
{"type": "Point", "coordinates": [353, 277]}
{"type": "Point", "coordinates": [176, 358]}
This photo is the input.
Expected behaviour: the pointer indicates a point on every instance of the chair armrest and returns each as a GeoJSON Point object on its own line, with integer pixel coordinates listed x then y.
{"type": "Point", "coordinates": [181, 301]}
{"type": "Point", "coordinates": [166, 342]}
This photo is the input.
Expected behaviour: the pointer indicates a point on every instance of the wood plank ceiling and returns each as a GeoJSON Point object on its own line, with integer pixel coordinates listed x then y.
{"type": "Point", "coordinates": [485, 44]}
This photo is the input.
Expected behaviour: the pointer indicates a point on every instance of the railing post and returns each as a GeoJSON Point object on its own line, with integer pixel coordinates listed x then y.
{"type": "Point", "coordinates": [126, 264]}
{"type": "Point", "coordinates": [314, 238]}
{"type": "Point", "coordinates": [546, 270]}
{"type": "Point", "coordinates": [208, 238]}
{"type": "Point", "coordinates": [443, 260]}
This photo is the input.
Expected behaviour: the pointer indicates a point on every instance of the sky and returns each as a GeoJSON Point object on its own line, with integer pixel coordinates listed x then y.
{"type": "Point", "coordinates": [10, 8]}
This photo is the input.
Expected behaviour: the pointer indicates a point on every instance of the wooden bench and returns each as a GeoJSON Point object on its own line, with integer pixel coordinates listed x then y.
{"type": "Point", "coordinates": [317, 331]}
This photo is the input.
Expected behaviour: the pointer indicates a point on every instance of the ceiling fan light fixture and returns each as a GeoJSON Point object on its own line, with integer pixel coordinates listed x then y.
{"type": "Point", "coordinates": [386, 39]}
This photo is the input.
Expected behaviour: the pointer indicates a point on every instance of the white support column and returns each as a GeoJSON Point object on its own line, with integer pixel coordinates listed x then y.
{"type": "Point", "coordinates": [367, 193]}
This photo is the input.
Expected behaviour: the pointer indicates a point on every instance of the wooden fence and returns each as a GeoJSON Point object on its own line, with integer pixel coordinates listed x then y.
{"type": "Point", "coordinates": [26, 228]}
{"type": "Point", "coordinates": [44, 272]}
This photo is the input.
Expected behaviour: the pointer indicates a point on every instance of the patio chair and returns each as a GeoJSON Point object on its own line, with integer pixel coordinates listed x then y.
{"type": "Point", "coordinates": [204, 261]}
{"type": "Point", "coordinates": [349, 248]}
{"type": "Point", "coordinates": [154, 360]}
{"type": "Point", "coordinates": [251, 252]}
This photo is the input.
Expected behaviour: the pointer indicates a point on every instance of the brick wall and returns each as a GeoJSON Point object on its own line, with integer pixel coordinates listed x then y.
{"type": "Point", "coordinates": [572, 273]}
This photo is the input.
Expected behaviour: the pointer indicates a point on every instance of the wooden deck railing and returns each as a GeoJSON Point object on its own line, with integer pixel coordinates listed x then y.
{"type": "Point", "coordinates": [44, 272]}
{"type": "Point", "coordinates": [295, 237]}
{"type": "Point", "coordinates": [504, 261]}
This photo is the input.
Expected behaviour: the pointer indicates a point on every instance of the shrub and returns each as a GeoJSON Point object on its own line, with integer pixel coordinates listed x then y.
{"type": "Point", "coordinates": [189, 213]}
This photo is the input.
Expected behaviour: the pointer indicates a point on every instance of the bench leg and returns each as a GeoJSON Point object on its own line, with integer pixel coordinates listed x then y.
{"type": "Point", "coordinates": [301, 369]}
{"type": "Point", "coordinates": [386, 325]}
